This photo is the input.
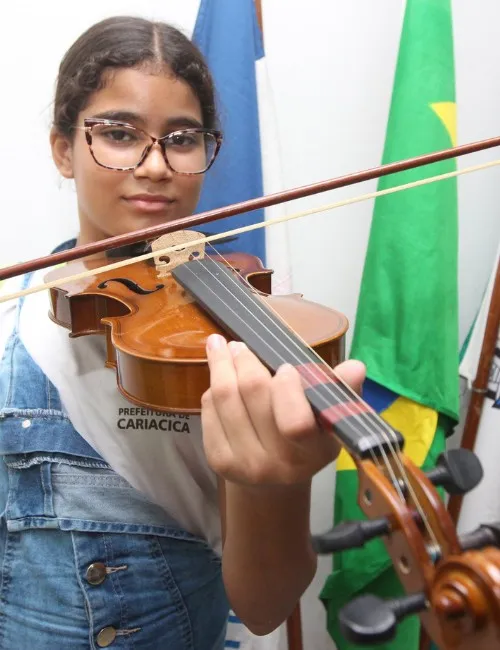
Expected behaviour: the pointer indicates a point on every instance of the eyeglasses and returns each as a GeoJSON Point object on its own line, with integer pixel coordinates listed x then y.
{"type": "Point", "coordinates": [123, 147]}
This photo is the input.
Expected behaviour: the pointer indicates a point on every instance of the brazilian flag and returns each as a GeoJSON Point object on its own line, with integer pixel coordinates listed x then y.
{"type": "Point", "coordinates": [406, 328]}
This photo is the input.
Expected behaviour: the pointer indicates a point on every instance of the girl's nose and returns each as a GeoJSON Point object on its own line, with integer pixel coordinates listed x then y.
{"type": "Point", "coordinates": [154, 166]}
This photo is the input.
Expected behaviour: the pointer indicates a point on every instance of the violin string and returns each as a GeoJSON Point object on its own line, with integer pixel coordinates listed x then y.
{"type": "Point", "coordinates": [344, 406]}
{"type": "Point", "coordinates": [348, 393]}
{"type": "Point", "coordinates": [381, 426]}
{"type": "Point", "coordinates": [285, 331]}
{"type": "Point", "coordinates": [237, 231]}
{"type": "Point", "coordinates": [388, 465]}
{"type": "Point", "coordinates": [390, 470]}
{"type": "Point", "coordinates": [395, 455]}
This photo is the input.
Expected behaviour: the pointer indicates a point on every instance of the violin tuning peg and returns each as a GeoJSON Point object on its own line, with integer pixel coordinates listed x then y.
{"type": "Point", "coordinates": [350, 534]}
{"type": "Point", "coordinates": [369, 620]}
{"type": "Point", "coordinates": [485, 535]}
{"type": "Point", "coordinates": [458, 471]}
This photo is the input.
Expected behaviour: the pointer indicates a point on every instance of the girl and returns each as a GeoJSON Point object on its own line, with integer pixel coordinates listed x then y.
{"type": "Point", "coordinates": [111, 515]}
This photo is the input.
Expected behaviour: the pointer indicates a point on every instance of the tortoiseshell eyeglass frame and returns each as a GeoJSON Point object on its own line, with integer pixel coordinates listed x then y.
{"type": "Point", "coordinates": [89, 123]}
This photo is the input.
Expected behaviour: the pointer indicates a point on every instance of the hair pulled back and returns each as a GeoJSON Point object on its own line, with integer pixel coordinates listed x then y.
{"type": "Point", "coordinates": [127, 42]}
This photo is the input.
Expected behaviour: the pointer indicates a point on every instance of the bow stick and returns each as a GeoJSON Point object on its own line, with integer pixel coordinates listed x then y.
{"type": "Point", "coordinates": [255, 204]}
{"type": "Point", "coordinates": [36, 264]}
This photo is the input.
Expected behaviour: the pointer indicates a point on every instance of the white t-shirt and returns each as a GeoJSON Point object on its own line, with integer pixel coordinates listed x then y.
{"type": "Point", "coordinates": [159, 454]}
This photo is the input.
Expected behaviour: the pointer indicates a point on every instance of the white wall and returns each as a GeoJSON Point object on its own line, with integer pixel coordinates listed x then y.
{"type": "Point", "coordinates": [331, 65]}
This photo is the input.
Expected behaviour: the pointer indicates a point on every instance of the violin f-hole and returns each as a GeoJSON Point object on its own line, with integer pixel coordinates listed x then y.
{"type": "Point", "coordinates": [130, 284]}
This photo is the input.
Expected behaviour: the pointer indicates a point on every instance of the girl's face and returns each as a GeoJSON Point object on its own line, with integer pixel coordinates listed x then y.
{"type": "Point", "coordinates": [112, 202]}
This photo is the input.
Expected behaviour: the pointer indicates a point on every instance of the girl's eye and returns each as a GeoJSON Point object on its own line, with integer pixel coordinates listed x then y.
{"type": "Point", "coordinates": [183, 139]}
{"type": "Point", "coordinates": [119, 135]}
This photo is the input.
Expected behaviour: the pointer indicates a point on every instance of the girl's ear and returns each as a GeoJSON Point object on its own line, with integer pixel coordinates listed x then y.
{"type": "Point", "coordinates": [62, 153]}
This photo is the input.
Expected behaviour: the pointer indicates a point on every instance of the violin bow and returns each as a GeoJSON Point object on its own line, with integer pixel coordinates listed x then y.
{"type": "Point", "coordinates": [186, 223]}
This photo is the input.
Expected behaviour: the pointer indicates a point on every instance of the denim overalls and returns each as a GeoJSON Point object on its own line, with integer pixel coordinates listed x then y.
{"type": "Point", "coordinates": [86, 560]}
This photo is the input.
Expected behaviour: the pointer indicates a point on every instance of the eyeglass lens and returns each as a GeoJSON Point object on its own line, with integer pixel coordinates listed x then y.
{"type": "Point", "coordinates": [123, 146]}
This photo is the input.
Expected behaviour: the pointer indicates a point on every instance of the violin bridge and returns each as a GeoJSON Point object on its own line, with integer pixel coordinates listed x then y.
{"type": "Point", "coordinates": [165, 262]}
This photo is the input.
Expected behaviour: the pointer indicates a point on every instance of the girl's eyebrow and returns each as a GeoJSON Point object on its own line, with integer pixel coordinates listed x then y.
{"type": "Point", "coordinates": [178, 121]}
{"type": "Point", "coordinates": [119, 116]}
{"type": "Point", "coordinates": [181, 121]}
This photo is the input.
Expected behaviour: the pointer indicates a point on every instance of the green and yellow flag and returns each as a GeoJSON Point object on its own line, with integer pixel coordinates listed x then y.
{"type": "Point", "coordinates": [406, 329]}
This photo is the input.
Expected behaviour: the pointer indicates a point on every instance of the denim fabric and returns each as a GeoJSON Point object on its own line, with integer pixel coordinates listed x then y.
{"type": "Point", "coordinates": [158, 593]}
{"type": "Point", "coordinates": [63, 509]}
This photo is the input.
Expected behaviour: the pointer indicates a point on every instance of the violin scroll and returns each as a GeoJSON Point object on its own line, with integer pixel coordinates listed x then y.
{"type": "Point", "coordinates": [449, 582]}
{"type": "Point", "coordinates": [466, 599]}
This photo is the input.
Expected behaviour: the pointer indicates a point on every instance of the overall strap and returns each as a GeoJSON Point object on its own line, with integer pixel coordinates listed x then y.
{"type": "Point", "coordinates": [71, 243]}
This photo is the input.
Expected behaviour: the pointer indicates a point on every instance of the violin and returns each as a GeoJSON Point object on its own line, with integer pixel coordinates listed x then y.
{"type": "Point", "coordinates": [156, 316]}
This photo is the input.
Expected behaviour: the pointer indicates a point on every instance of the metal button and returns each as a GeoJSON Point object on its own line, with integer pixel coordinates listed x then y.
{"type": "Point", "coordinates": [26, 423]}
{"type": "Point", "coordinates": [106, 637]}
{"type": "Point", "coordinates": [96, 573]}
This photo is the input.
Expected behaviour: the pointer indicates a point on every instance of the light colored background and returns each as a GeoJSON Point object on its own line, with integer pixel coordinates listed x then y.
{"type": "Point", "coordinates": [331, 66]}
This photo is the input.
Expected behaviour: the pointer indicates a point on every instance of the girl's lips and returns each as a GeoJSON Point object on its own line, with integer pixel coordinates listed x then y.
{"type": "Point", "coordinates": [149, 204]}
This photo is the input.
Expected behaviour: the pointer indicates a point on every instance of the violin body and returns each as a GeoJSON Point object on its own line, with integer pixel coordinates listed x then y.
{"type": "Point", "coordinates": [156, 333]}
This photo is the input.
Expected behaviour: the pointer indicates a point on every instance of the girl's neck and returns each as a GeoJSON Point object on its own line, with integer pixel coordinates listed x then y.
{"type": "Point", "coordinates": [89, 234]}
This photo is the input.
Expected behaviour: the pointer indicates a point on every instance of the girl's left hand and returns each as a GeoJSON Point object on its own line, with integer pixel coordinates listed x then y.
{"type": "Point", "coordinates": [259, 429]}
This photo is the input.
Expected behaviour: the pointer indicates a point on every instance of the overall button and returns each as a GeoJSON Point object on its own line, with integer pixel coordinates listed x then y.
{"type": "Point", "coordinates": [96, 573]}
{"type": "Point", "coordinates": [106, 637]}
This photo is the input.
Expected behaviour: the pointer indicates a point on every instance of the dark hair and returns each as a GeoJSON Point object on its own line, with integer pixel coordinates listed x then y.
{"type": "Point", "coordinates": [128, 42]}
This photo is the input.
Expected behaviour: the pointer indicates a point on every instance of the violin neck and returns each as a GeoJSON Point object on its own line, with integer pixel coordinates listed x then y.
{"type": "Point", "coordinates": [247, 318]}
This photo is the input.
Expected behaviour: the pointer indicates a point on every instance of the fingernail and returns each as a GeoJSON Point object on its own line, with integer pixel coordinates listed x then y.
{"type": "Point", "coordinates": [235, 347]}
{"type": "Point", "coordinates": [215, 342]}
{"type": "Point", "coordinates": [284, 369]}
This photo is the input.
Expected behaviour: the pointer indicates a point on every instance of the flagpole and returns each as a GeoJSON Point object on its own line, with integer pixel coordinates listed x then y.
{"type": "Point", "coordinates": [480, 384]}
{"type": "Point", "coordinates": [258, 9]}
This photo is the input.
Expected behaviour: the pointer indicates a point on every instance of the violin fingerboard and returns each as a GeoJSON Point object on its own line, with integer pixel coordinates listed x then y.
{"type": "Point", "coordinates": [238, 311]}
